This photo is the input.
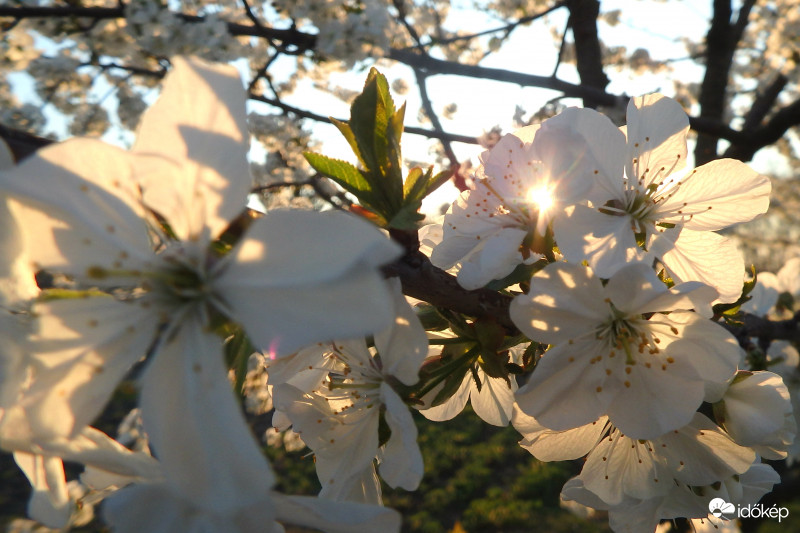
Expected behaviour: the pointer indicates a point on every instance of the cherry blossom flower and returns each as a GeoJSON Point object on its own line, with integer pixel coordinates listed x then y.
{"type": "Point", "coordinates": [616, 351]}
{"type": "Point", "coordinates": [157, 254]}
{"type": "Point", "coordinates": [633, 514]}
{"type": "Point", "coordinates": [524, 181]}
{"type": "Point", "coordinates": [88, 221]}
{"type": "Point", "coordinates": [341, 419]}
{"type": "Point", "coordinates": [642, 207]}
{"type": "Point", "coordinates": [619, 467]}
{"type": "Point", "coordinates": [492, 400]}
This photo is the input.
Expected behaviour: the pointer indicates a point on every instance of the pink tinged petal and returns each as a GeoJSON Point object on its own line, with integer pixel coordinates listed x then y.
{"type": "Point", "coordinates": [581, 149]}
{"type": "Point", "coordinates": [566, 390]}
{"type": "Point", "coordinates": [402, 346]}
{"type": "Point", "coordinates": [81, 350]}
{"type": "Point", "coordinates": [700, 453]}
{"type": "Point", "coordinates": [200, 121]}
{"type": "Point", "coordinates": [291, 281]}
{"type": "Point", "coordinates": [203, 443]}
{"type": "Point", "coordinates": [651, 400]}
{"type": "Point", "coordinates": [401, 460]}
{"type": "Point", "coordinates": [452, 406]}
{"type": "Point", "coordinates": [76, 216]}
{"type": "Point", "coordinates": [709, 258]}
{"type": "Point", "coordinates": [49, 504]}
{"type": "Point", "coordinates": [755, 407]}
{"type": "Point", "coordinates": [565, 301]}
{"type": "Point", "coordinates": [335, 516]}
{"type": "Point", "coordinates": [606, 242]}
{"type": "Point", "coordinates": [717, 195]}
{"type": "Point", "coordinates": [494, 403]}
{"type": "Point", "coordinates": [549, 445]}
{"type": "Point", "coordinates": [656, 129]}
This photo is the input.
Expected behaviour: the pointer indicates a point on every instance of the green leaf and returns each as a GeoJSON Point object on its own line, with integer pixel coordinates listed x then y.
{"type": "Point", "coordinates": [407, 218]}
{"type": "Point", "coordinates": [347, 133]}
{"type": "Point", "coordinates": [343, 173]}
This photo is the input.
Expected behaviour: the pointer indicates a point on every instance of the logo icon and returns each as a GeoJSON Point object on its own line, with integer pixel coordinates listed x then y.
{"type": "Point", "coordinates": [721, 509]}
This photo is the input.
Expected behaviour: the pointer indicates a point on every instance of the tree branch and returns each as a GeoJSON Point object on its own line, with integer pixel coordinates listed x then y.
{"type": "Point", "coordinates": [721, 43]}
{"type": "Point", "coordinates": [583, 20]}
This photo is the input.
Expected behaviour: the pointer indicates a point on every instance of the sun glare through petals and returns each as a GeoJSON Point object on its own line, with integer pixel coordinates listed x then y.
{"type": "Point", "coordinates": [542, 197]}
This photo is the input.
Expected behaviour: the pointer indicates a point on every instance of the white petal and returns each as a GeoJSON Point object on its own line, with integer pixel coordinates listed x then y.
{"type": "Point", "coordinates": [709, 258]}
{"type": "Point", "coordinates": [291, 282]}
{"type": "Point", "coordinates": [82, 348]}
{"type": "Point", "coordinates": [17, 282]}
{"type": "Point", "coordinates": [452, 406]}
{"type": "Point", "coordinates": [789, 277]}
{"type": "Point", "coordinates": [345, 442]}
{"type": "Point", "coordinates": [495, 256]}
{"type": "Point", "coordinates": [756, 406]}
{"type": "Point", "coordinates": [710, 348]}
{"type": "Point", "coordinates": [495, 401]}
{"type": "Point", "coordinates": [656, 401]}
{"type": "Point", "coordinates": [606, 242]}
{"type": "Point", "coordinates": [565, 301]}
{"type": "Point", "coordinates": [199, 120]}
{"type": "Point", "coordinates": [701, 453]}
{"type": "Point", "coordinates": [49, 503]}
{"type": "Point", "coordinates": [76, 216]}
{"type": "Point", "coordinates": [548, 445]}
{"type": "Point", "coordinates": [656, 129]}
{"type": "Point", "coordinates": [764, 295]}
{"type": "Point", "coordinates": [581, 149]}
{"type": "Point", "coordinates": [621, 467]}
{"type": "Point", "coordinates": [401, 460]}
{"type": "Point", "coordinates": [203, 443]}
{"type": "Point", "coordinates": [562, 393]}
{"type": "Point", "coordinates": [402, 346]}
{"type": "Point", "coordinates": [717, 195]}
{"type": "Point", "coordinates": [335, 516]}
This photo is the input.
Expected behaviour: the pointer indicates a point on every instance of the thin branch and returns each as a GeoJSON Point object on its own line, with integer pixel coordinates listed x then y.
{"type": "Point", "coordinates": [302, 113]}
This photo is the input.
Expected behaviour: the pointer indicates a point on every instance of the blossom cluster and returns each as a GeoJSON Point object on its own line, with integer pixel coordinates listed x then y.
{"type": "Point", "coordinates": [621, 240]}
{"type": "Point", "coordinates": [161, 275]}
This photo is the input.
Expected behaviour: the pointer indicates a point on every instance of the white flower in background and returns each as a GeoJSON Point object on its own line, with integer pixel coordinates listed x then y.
{"type": "Point", "coordinates": [619, 467]}
{"type": "Point", "coordinates": [649, 375]}
{"type": "Point", "coordinates": [492, 400]}
{"type": "Point", "coordinates": [341, 419]}
{"type": "Point", "coordinates": [83, 217]}
{"type": "Point", "coordinates": [634, 515]}
{"type": "Point", "coordinates": [644, 197]}
{"type": "Point", "coordinates": [524, 181]}
{"type": "Point", "coordinates": [757, 412]}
